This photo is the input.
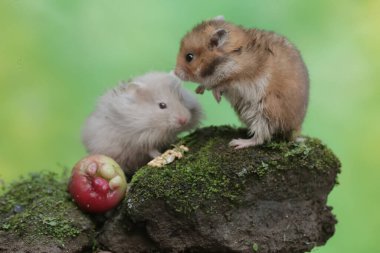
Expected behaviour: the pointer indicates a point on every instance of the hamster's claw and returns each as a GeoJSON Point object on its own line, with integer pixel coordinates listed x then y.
{"type": "Point", "coordinates": [242, 143]}
{"type": "Point", "coordinates": [217, 92]}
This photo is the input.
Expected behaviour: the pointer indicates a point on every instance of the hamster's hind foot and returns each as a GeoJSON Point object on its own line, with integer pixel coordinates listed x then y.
{"type": "Point", "coordinates": [243, 143]}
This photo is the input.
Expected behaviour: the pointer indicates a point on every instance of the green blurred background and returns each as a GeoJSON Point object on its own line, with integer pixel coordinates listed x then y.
{"type": "Point", "coordinates": [58, 57]}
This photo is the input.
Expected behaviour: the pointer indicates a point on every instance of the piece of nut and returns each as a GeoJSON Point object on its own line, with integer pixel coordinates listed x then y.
{"type": "Point", "coordinates": [169, 156]}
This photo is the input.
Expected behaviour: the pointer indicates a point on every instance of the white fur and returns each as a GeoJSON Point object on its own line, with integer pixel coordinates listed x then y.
{"type": "Point", "coordinates": [246, 99]}
{"type": "Point", "coordinates": [128, 124]}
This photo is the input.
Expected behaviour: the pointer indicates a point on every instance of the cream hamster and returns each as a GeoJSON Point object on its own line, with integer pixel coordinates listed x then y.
{"type": "Point", "coordinates": [134, 121]}
{"type": "Point", "coordinates": [261, 73]}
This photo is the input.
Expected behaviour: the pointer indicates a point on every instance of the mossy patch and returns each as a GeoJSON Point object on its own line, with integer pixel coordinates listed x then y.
{"type": "Point", "coordinates": [213, 174]}
{"type": "Point", "coordinates": [38, 208]}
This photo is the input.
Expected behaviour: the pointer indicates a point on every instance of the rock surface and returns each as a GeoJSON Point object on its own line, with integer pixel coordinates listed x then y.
{"type": "Point", "coordinates": [264, 199]}
{"type": "Point", "coordinates": [37, 215]}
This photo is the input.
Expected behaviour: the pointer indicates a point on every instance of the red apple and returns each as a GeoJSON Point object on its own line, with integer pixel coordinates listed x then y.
{"type": "Point", "coordinates": [97, 184]}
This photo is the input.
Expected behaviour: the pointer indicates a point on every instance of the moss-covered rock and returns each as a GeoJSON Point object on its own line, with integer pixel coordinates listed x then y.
{"type": "Point", "coordinates": [213, 173]}
{"type": "Point", "coordinates": [270, 198]}
{"type": "Point", "coordinates": [37, 215]}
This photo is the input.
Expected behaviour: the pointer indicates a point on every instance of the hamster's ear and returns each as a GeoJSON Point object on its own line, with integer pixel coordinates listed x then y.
{"type": "Point", "coordinates": [127, 86]}
{"type": "Point", "coordinates": [133, 89]}
{"type": "Point", "coordinates": [219, 18]}
{"type": "Point", "coordinates": [218, 38]}
{"type": "Point", "coordinates": [122, 82]}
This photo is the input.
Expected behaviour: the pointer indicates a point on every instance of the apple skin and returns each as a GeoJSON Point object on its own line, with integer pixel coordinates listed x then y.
{"type": "Point", "coordinates": [97, 184]}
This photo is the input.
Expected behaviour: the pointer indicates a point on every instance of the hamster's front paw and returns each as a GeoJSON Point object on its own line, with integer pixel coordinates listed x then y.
{"type": "Point", "coordinates": [200, 89]}
{"type": "Point", "coordinates": [218, 92]}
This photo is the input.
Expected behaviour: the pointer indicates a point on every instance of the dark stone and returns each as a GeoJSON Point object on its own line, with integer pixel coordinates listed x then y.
{"type": "Point", "coordinates": [120, 234]}
{"type": "Point", "coordinates": [12, 243]}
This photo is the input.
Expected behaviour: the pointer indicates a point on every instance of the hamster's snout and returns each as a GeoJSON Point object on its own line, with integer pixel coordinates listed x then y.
{"type": "Point", "coordinates": [180, 74]}
{"type": "Point", "coordinates": [182, 120]}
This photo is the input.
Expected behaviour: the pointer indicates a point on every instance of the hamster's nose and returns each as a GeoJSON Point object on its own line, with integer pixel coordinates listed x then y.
{"type": "Point", "coordinates": [182, 121]}
{"type": "Point", "coordinates": [180, 74]}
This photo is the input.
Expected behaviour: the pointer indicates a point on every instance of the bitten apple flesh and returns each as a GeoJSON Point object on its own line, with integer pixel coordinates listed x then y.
{"type": "Point", "coordinates": [97, 184]}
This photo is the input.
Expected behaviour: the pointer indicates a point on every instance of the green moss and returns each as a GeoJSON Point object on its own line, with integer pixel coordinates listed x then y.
{"type": "Point", "coordinates": [187, 179]}
{"type": "Point", "coordinates": [255, 247]}
{"type": "Point", "coordinates": [307, 152]}
{"type": "Point", "coordinates": [40, 207]}
{"type": "Point", "coordinates": [213, 173]}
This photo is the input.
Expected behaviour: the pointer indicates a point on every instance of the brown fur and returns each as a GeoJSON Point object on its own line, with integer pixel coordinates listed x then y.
{"type": "Point", "coordinates": [261, 73]}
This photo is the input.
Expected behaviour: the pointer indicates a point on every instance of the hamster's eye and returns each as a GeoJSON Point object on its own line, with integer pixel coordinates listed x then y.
{"type": "Point", "coordinates": [162, 105]}
{"type": "Point", "coordinates": [189, 57]}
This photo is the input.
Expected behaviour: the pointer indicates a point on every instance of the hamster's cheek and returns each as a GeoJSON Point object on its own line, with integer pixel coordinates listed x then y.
{"type": "Point", "coordinates": [158, 118]}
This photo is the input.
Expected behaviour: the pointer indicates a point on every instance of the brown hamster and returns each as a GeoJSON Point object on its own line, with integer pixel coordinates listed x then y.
{"type": "Point", "coordinates": [261, 74]}
{"type": "Point", "coordinates": [134, 121]}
